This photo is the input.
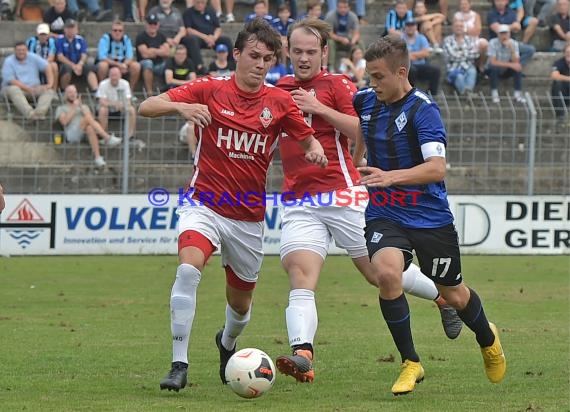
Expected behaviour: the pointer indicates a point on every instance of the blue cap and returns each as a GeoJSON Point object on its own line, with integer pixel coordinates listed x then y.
{"type": "Point", "coordinates": [221, 48]}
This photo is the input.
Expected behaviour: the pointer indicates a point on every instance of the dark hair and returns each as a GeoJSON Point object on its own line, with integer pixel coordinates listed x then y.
{"type": "Point", "coordinates": [342, 1]}
{"type": "Point", "coordinates": [283, 7]}
{"type": "Point", "coordinates": [259, 30]}
{"type": "Point", "coordinates": [393, 49]}
{"type": "Point", "coordinates": [313, 3]}
{"type": "Point", "coordinates": [319, 28]}
{"type": "Point", "coordinates": [20, 43]}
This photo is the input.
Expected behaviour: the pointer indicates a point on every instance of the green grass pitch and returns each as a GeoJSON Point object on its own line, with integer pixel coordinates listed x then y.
{"type": "Point", "coordinates": [93, 334]}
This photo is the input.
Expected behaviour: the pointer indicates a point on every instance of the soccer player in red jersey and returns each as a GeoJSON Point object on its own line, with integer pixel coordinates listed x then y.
{"type": "Point", "coordinates": [336, 206]}
{"type": "Point", "coordinates": [240, 120]}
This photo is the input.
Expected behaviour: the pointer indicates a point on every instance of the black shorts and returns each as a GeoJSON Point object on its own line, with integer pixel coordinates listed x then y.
{"type": "Point", "coordinates": [437, 249]}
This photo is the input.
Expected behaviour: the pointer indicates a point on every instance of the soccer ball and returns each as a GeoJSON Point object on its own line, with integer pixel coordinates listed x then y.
{"type": "Point", "coordinates": [250, 373]}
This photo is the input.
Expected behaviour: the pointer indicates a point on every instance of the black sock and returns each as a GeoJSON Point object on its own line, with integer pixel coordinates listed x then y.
{"type": "Point", "coordinates": [474, 317]}
{"type": "Point", "coordinates": [397, 316]}
{"type": "Point", "coordinates": [303, 346]}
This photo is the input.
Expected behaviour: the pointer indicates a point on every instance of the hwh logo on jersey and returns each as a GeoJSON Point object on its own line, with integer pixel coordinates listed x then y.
{"type": "Point", "coordinates": [242, 141]}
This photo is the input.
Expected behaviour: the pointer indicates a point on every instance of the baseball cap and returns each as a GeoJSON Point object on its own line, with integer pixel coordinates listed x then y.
{"type": "Point", "coordinates": [70, 23]}
{"type": "Point", "coordinates": [152, 19]}
{"type": "Point", "coordinates": [504, 28]}
{"type": "Point", "coordinates": [221, 48]}
{"type": "Point", "coordinates": [43, 28]}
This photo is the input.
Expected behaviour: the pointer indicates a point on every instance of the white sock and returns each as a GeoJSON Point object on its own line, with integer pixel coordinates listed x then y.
{"type": "Point", "coordinates": [301, 317]}
{"type": "Point", "coordinates": [235, 324]}
{"type": "Point", "coordinates": [416, 283]}
{"type": "Point", "coordinates": [182, 309]}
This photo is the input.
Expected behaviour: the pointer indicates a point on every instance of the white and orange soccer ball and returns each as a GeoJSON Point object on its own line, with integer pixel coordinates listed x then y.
{"type": "Point", "coordinates": [250, 373]}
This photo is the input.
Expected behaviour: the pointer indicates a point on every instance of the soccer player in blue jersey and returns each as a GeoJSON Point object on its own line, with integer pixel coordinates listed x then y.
{"type": "Point", "coordinates": [405, 140]}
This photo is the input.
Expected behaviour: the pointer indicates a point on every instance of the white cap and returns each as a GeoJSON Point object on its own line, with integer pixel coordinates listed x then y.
{"type": "Point", "coordinates": [504, 28]}
{"type": "Point", "coordinates": [43, 28]}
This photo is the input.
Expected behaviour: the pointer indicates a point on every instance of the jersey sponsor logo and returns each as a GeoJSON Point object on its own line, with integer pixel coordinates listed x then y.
{"type": "Point", "coordinates": [266, 117]}
{"type": "Point", "coordinates": [439, 149]}
{"type": "Point", "coordinates": [242, 142]}
{"type": "Point", "coordinates": [227, 112]}
{"type": "Point", "coordinates": [401, 121]}
{"type": "Point", "coordinates": [376, 237]}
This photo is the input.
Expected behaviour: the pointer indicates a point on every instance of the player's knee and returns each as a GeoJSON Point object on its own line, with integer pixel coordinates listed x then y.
{"type": "Point", "coordinates": [456, 296]}
{"type": "Point", "coordinates": [187, 276]}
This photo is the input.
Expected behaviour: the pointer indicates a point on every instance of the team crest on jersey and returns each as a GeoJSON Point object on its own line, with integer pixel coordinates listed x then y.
{"type": "Point", "coordinates": [401, 121]}
{"type": "Point", "coordinates": [376, 237]}
{"type": "Point", "coordinates": [266, 117]}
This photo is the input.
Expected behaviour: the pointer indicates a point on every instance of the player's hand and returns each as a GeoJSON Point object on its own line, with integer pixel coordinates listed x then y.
{"type": "Point", "coordinates": [317, 157]}
{"type": "Point", "coordinates": [307, 102]}
{"type": "Point", "coordinates": [196, 113]}
{"type": "Point", "coordinates": [374, 177]}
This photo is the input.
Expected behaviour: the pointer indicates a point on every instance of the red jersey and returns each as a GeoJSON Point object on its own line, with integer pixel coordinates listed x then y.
{"type": "Point", "coordinates": [335, 91]}
{"type": "Point", "coordinates": [235, 150]}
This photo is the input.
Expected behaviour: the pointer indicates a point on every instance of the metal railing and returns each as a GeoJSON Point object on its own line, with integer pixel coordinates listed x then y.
{"type": "Point", "coordinates": [507, 148]}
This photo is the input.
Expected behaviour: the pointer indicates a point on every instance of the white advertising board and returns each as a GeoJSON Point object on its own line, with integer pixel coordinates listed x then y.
{"type": "Point", "coordinates": [130, 224]}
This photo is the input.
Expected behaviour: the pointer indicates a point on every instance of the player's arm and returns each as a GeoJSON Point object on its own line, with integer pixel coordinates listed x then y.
{"type": "Point", "coordinates": [359, 150]}
{"type": "Point", "coordinates": [2, 202]}
{"type": "Point", "coordinates": [431, 171]}
{"type": "Point", "coordinates": [314, 152]}
{"type": "Point", "coordinates": [162, 105]}
{"type": "Point", "coordinates": [344, 123]}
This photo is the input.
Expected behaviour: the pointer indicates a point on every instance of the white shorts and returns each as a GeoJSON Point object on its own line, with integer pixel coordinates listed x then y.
{"type": "Point", "coordinates": [239, 242]}
{"type": "Point", "coordinates": [312, 227]}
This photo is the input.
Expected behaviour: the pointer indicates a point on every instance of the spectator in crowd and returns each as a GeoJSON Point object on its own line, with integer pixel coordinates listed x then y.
{"type": "Point", "coordinates": [116, 50]}
{"type": "Point", "coordinates": [281, 24]}
{"type": "Point", "coordinates": [545, 9]}
{"type": "Point", "coordinates": [260, 9]}
{"type": "Point", "coordinates": [354, 66]}
{"type": "Point", "coordinates": [109, 95]}
{"type": "Point", "coordinates": [559, 24]}
{"type": "Point", "coordinates": [44, 46]}
{"type": "Point", "coordinates": [217, 6]}
{"type": "Point", "coordinates": [430, 25]}
{"type": "Point", "coordinates": [527, 22]}
{"type": "Point", "coordinates": [345, 31]}
{"type": "Point", "coordinates": [143, 4]}
{"type": "Point", "coordinates": [21, 82]}
{"type": "Point", "coordinates": [71, 52]}
{"type": "Point", "coordinates": [5, 14]}
{"type": "Point", "coordinates": [472, 27]}
{"type": "Point", "coordinates": [360, 8]}
{"type": "Point", "coordinates": [560, 90]}
{"type": "Point", "coordinates": [127, 9]}
{"type": "Point", "coordinates": [314, 10]}
{"type": "Point", "coordinates": [397, 17]}
{"type": "Point", "coordinates": [78, 123]}
{"type": "Point", "coordinates": [275, 72]}
{"type": "Point", "coordinates": [187, 135]}
{"type": "Point", "coordinates": [170, 23]}
{"type": "Point", "coordinates": [419, 51]}
{"type": "Point", "coordinates": [504, 62]}
{"type": "Point", "coordinates": [152, 50]}
{"type": "Point", "coordinates": [461, 53]}
{"type": "Point", "coordinates": [56, 16]}
{"type": "Point", "coordinates": [443, 5]}
{"type": "Point", "coordinates": [203, 32]}
{"type": "Point", "coordinates": [179, 69]}
{"type": "Point", "coordinates": [291, 5]}
{"type": "Point", "coordinates": [499, 15]}
{"type": "Point", "coordinates": [221, 65]}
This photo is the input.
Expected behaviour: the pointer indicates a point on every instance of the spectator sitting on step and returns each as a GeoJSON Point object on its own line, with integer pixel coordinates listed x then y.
{"type": "Point", "coordinates": [282, 24]}
{"type": "Point", "coordinates": [345, 31]}
{"type": "Point", "coordinates": [397, 17]}
{"type": "Point", "coordinates": [559, 24]}
{"type": "Point", "coordinates": [472, 27]}
{"type": "Point", "coordinates": [560, 90]}
{"type": "Point", "coordinates": [504, 62]}
{"type": "Point", "coordinates": [354, 67]}
{"type": "Point", "coordinates": [21, 82]}
{"type": "Point", "coordinates": [78, 122]}
{"type": "Point", "coordinates": [109, 95]}
{"type": "Point", "coordinates": [170, 23]}
{"type": "Point", "coordinates": [461, 54]}
{"type": "Point", "coordinates": [56, 16]}
{"type": "Point", "coordinates": [259, 10]}
{"type": "Point", "coordinates": [203, 31]}
{"type": "Point", "coordinates": [527, 22]}
{"type": "Point", "coordinates": [221, 66]}
{"type": "Point", "coordinates": [44, 46]}
{"type": "Point", "coordinates": [179, 69]}
{"type": "Point", "coordinates": [152, 50]}
{"type": "Point", "coordinates": [115, 49]}
{"type": "Point", "coordinates": [419, 51]}
{"type": "Point", "coordinates": [71, 52]}
{"type": "Point", "coordinates": [545, 9]}
{"type": "Point", "coordinates": [430, 25]}
{"type": "Point", "coordinates": [93, 7]}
